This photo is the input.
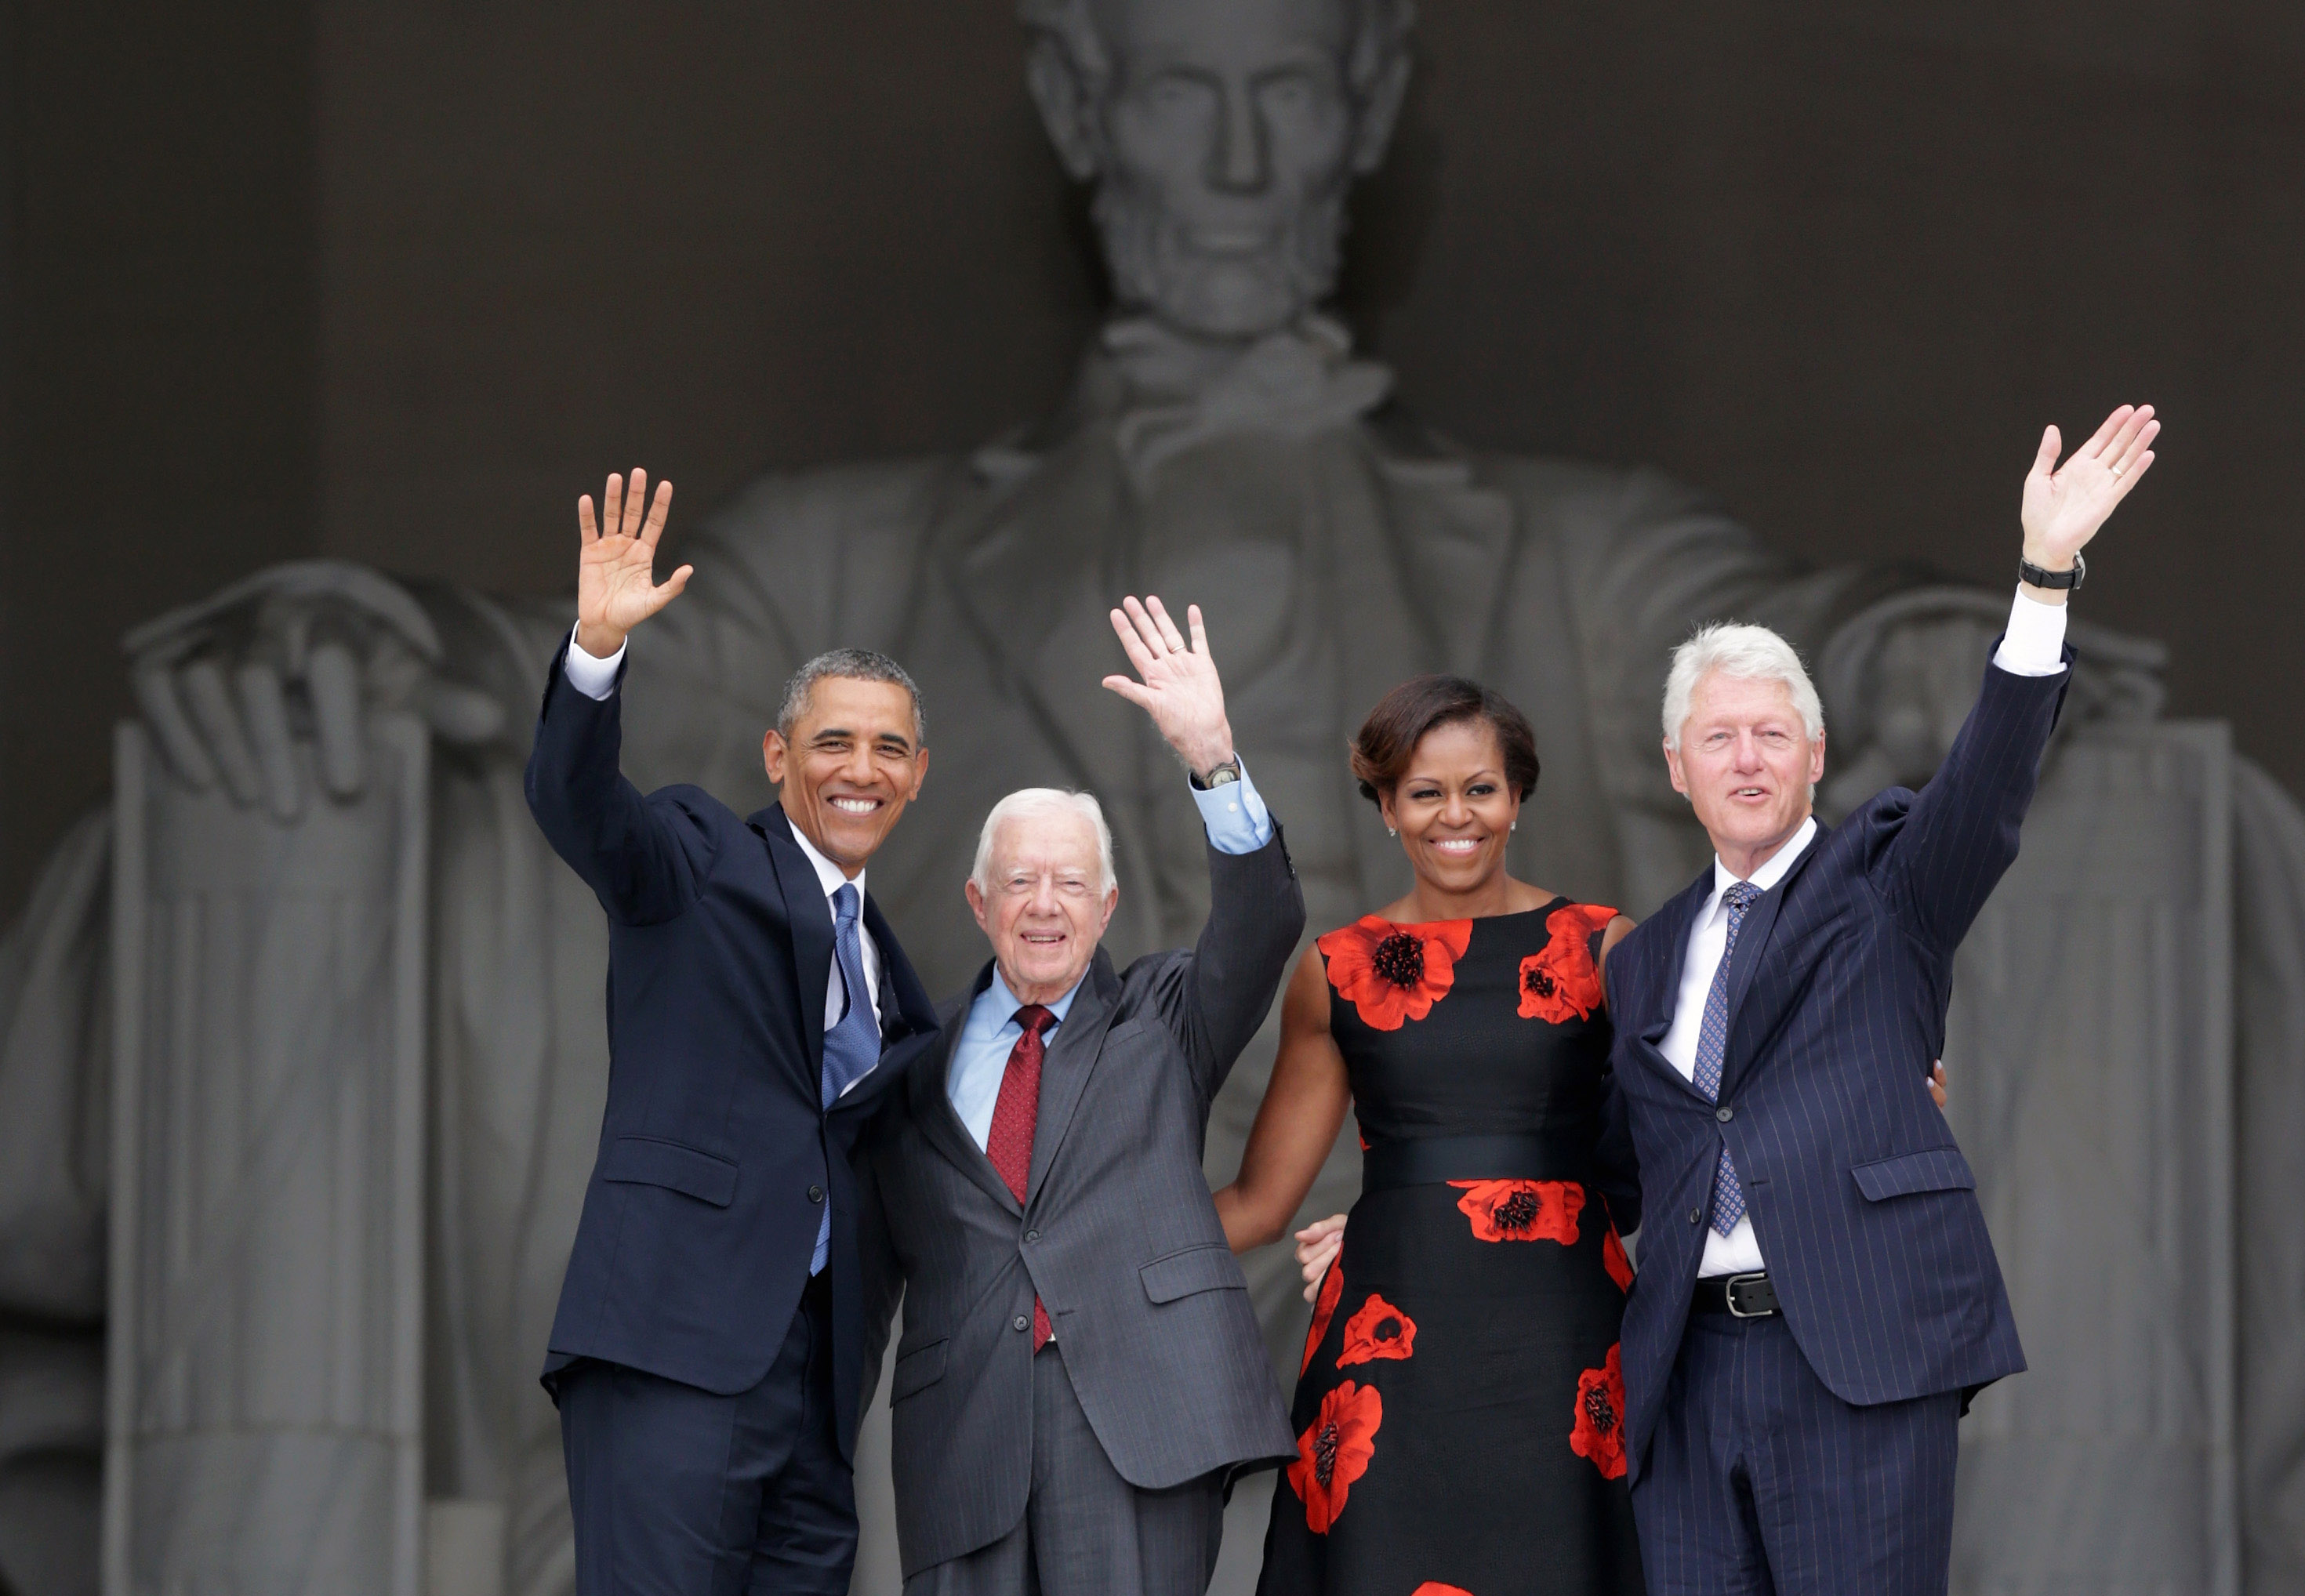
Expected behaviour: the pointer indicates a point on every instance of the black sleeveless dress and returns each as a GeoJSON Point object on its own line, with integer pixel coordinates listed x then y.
{"type": "Point", "coordinates": [1460, 1408]}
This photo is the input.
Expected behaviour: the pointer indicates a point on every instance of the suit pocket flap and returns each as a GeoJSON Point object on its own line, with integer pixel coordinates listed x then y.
{"type": "Point", "coordinates": [1196, 1268]}
{"type": "Point", "coordinates": [1939, 1169]}
{"type": "Point", "coordinates": [922, 1367]}
{"type": "Point", "coordinates": [646, 1161]}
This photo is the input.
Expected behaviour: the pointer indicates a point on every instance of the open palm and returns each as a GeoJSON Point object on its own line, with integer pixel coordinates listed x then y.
{"type": "Point", "coordinates": [1180, 689]}
{"type": "Point", "coordinates": [616, 574]}
{"type": "Point", "coordinates": [2065, 506]}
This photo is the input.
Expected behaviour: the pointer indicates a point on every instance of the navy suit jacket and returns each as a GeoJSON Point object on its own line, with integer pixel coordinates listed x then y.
{"type": "Point", "coordinates": [715, 1155]}
{"type": "Point", "coordinates": [1866, 1211]}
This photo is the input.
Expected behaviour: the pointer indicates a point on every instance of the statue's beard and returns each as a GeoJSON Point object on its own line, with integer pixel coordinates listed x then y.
{"type": "Point", "coordinates": [1156, 265]}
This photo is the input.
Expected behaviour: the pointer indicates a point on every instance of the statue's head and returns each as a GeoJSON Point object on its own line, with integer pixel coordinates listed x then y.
{"type": "Point", "coordinates": [1221, 136]}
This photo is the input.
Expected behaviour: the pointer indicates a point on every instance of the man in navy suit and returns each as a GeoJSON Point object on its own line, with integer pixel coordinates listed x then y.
{"type": "Point", "coordinates": [1818, 1293]}
{"type": "Point", "coordinates": [708, 1352]}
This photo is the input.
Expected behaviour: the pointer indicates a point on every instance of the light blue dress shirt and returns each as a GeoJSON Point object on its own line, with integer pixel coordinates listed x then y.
{"type": "Point", "coordinates": [1236, 821]}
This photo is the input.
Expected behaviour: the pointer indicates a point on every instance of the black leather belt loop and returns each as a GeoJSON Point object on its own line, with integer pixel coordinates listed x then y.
{"type": "Point", "coordinates": [1741, 1297]}
{"type": "Point", "coordinates": [1429, 1160]}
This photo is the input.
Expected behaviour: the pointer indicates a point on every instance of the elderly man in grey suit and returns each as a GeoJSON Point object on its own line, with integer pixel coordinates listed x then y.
{"type": "Point", "coordinates": [1081, 1372]}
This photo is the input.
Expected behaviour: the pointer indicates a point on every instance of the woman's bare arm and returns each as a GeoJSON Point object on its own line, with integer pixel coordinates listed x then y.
{"type": "Point", "coordinates": [1296, 1123]}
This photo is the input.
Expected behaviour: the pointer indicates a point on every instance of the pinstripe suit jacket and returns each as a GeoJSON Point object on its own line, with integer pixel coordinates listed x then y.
{"type": "Point", "coordinates": [1115, 1234]}
{"type": "Point", "coordinates": [1865, 1209]}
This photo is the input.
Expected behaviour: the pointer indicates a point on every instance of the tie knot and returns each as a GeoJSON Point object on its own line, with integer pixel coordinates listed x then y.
{"type": "Point", "coordinates": [1034, 1019]}
{"type": "Point", "coordinates": [845, 902]}
{"type": "Point", "coordinates": [1740, 896]}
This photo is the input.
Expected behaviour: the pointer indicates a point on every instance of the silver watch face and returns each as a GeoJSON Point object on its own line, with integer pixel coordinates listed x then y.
{"type": "Point", "coordinates": [1224, 775]}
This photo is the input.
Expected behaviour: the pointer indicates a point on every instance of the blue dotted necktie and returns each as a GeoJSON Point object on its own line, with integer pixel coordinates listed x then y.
{"type": "Point", "coordinates": [1712, 1046]}
{"type": "Point", "coordinates": [852, 1047]}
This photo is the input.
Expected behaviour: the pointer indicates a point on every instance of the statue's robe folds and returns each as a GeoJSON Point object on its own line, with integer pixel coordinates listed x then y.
{"type": "Point", "coordinates": [1336, 548]}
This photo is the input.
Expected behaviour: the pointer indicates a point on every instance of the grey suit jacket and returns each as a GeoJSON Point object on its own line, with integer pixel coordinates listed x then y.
{"type": "Point", "coordinates": [1116, 1234]}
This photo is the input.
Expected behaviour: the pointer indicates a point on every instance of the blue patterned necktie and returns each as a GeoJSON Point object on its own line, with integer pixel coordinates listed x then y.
{"type": "Point", "coordinates": [852, 1047]}
{"type": "Point", "coordinates": [1712, 1046]}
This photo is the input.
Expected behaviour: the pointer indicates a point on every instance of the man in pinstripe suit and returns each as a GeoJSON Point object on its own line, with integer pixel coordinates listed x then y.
{"type": "Point", "coordinates": [1081, 1371]}
{"type": "Point", "coordinates": [1817, 1294]}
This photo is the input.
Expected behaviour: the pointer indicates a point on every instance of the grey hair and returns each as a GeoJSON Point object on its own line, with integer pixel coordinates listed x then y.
{"type": "Point", "coordinates": [855, 665]}
{"type": "Point", "coordinates": [1381, 34]}
{"type": "Point", "coordinates": [1028, 802]}
{"type": "Point", "coordinates": [1748, 654]}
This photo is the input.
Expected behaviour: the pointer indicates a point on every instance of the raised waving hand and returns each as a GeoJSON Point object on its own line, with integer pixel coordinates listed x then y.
{"type": "Point", "coordinates": [615, 574]}
{"type": "Point", "coordinates": [1180, 689]}
{"type": "Point", "coordinates": [2065, 505]}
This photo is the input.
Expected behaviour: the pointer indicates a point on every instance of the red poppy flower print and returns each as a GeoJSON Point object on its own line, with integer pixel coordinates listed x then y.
{"type": "Point", "coordinates": [1391, 973]}
{"type": "Point", "coordinates": [1335, 1452]}
{"type": "Point", "coordinates": [1560, 981]}
{"type": "Point", "coordinates": [1599, 1432]}
{"type": "Point", "coordinates": [1332, 1291]}
{"type": "Point", "coordinates": [1379, 1330]}
{"type": "Point", "coordinates": [1522, 1210]}
{"type": "Point", "coordinates": [1612, 1257]}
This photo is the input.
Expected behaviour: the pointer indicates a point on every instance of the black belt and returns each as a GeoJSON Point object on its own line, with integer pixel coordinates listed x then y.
{"type": "Point", "coordinates": [1429, 1160]}
{"type": "Point", "coordinates": [1741, 1297]}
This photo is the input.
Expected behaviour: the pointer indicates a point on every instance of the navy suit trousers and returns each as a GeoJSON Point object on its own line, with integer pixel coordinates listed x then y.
{"type": "Point", "coordinates": [1762, 1482]}
{"type": "Point", "coordinates": [679, 1492]}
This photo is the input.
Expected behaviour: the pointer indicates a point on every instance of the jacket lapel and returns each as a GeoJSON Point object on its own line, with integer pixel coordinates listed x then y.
{"type": "Point", "coordinates": [1659, 986]}
{"type": "Point", "coordinates": [930, 1100]}
{"type": "Point", "coordinates": [1752, 945]}
{"type": "Point", "coordinates": [810, 924]}
{"type": "Point", "coordinates": [1070, 1061]}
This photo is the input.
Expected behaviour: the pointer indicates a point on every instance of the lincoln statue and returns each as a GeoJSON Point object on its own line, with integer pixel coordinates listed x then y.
{"type": "Point", "coordinates": [1222, 440]}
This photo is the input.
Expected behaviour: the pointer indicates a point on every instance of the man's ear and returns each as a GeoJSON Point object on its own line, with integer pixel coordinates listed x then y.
{"type": "Point", "coordinates": [1817, 760]}
{"type": "Point", "coordinates": [1379, 112]}
{"type": "Point", "coordinates": [773, 754]}
{"type": "Point", "coordinates": [1112, 901]}
{"type": "Point", "coordinates": [974, 893]}
{"type": "Point", "coordinates": [1067, 108]}
{"type": "Point", "coordinates": [1673, 768]}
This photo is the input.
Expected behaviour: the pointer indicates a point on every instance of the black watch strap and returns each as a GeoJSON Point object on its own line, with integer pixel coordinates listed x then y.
{"type": "Point", "coordinates": [2027, 572]}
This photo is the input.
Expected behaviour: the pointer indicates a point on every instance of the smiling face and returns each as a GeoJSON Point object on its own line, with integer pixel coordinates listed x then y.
{"type": "Point", "coordinates": [1227, 137]}
{"type": "Point", "coordinates": [1453, 808]}
{"type": "Point", "coordinates": [849, 767]}
{"type": "Point", "coordinates": [1041, 905]}
{"type": "Point", "coordinates": [1746, 763]}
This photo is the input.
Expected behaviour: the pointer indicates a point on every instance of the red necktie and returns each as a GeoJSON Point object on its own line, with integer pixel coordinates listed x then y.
{"type": "Point", "coordinates": [1015, 1113]}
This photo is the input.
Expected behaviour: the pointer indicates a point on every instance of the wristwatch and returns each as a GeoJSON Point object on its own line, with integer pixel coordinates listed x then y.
{"type": "Point", "coordinates": [2027, 572]}
{"type": "Point", "coordinates": [1223, 775]}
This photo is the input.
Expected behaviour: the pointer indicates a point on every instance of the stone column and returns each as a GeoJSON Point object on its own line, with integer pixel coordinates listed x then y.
{"type": "Point", "coordinates": [267, 1255]}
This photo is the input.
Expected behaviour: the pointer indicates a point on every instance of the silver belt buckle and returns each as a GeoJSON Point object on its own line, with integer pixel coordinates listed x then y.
{"type": "Point", "coordinates": [1729, 1295]}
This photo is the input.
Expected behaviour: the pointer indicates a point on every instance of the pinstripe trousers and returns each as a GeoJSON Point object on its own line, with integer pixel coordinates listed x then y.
{"type": "Point", "coordinates": [1762, 1482]}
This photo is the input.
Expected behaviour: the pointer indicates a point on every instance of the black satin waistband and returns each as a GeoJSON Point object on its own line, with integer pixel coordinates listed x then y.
{"type": "Point", "coordinates": [1429, 1160]}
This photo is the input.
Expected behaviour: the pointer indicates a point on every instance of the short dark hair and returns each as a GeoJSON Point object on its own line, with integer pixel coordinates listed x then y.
{"type": "Point", "coordinates": [1388, 739]}
{"type": "Point", "coordinates": [856, 665]}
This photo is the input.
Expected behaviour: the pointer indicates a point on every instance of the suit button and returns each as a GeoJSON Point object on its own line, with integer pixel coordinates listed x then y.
{"type": "Point", "coordinates": [1020, 1323]}
{"type": "Point", "coordinates": [1032, 1235]}
{"type": "Point", "coordinates": [1724, 1115]}
{"type": "Point", "coordinates": [1694, 1216]}
{"type": "Point", "coordinates": [816, 1194]}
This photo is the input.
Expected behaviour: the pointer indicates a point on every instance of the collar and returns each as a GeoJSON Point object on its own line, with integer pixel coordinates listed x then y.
{"type": "Point", "coordinates": [1002, 1005]}
{"type": "Point", "coordinates": [1770, 873]}
{"type": "Point", "coordinates": [829, 875]}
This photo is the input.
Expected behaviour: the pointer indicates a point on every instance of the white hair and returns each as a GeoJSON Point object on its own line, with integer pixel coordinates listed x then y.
{"type": "Point", "coordinates": [1746, 653]}
{"type": "Point", "coordinates": [1029, 801]}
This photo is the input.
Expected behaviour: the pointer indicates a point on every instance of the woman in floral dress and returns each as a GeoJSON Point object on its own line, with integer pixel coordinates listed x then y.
{"type": "Point", "coordinates": [1459, 1406]}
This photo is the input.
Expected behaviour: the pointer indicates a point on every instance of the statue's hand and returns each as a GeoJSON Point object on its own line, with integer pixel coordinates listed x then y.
{"type": "Point", "coordinates": [1180, 690]}
{"type": "Point", "coordinates": [1896, 716]}
{"type": "Point", "coordinates": [297, 653]}
{"type": "Point", "coordinates": [615, 572]}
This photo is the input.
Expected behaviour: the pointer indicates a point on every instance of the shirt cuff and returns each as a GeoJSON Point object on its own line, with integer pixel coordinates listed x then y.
{"type": "Point", "coordinates": [595, 678]}
{"type": "Point", "coordinates": [2035, 642]}
{"type": "Point", "coordinates": [1234, 815]}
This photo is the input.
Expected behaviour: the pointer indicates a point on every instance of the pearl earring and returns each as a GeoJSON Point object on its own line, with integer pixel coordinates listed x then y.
{"type": "Point", "coordinates": [1514, 827]}
{"type": "Point", "coordinates": [1393, 831]}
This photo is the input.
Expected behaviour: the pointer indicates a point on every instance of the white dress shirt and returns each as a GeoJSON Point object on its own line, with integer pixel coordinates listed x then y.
{"type": "Point", "coordinates": [596, 678]}
{"type": "Point", "coordinates": [2033, 646]}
